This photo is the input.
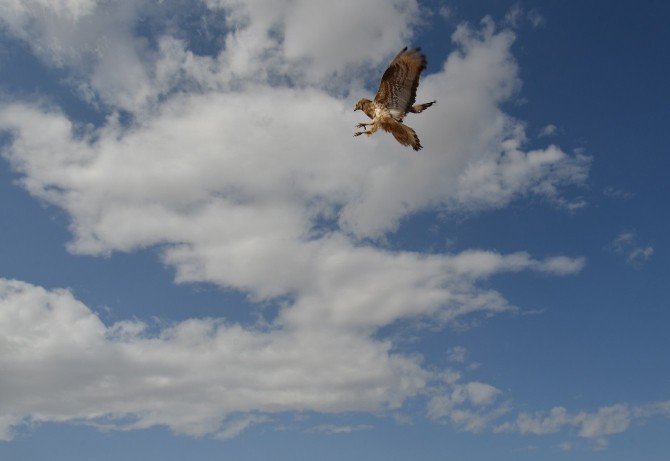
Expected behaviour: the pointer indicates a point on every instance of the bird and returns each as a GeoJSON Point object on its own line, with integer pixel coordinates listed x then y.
{"type": "Point", "coordinates": [395, 98]}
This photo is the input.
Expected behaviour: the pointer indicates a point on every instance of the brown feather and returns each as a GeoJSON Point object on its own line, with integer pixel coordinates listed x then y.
{"type": "Point", "coordinates": [397, 90]}
{"type": "Point", "coordinates": [418, 108]}
{"type": "Point", "coordinates": [401, 132]}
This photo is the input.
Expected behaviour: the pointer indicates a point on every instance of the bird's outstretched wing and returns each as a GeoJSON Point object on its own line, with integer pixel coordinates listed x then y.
{"type": "Point", "coordinates": [397, 90]}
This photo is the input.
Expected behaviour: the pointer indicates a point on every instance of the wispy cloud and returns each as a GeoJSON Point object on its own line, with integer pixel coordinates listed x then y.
{"type": "Point", "coordinates": [615, 193]}
{"type": "Point", "coordinates": [517, 15]}
{"type": "Point", "coordinates": [445, 12]}
{"type": "Point", "coordinates": [595, 426]}
{"type": "Point", "coordinates": [565, 446]}
{"type": "Point", "coordinates": [536, 18]}
{"type": "Point", "coordinates": [469, 406]}
{"type": "Point", "coordinates": [233, 428]}
{"type": "Point", "coordinates": [626, 245]}
{"type": "Point", "coordinates": [456, 354]}
{"type": "Point", "coordinates": [548, 130]}
{"type": "Point", "coordinates": [331, 429]}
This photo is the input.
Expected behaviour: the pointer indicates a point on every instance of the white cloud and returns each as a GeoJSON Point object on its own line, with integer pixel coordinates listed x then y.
{"type": "Point", "coordinates": [377, 28]}
{"type": "Point", "coordinates": [308, 41]}
{"type": "Point", "coordinates": [516, 15]}
{"type": "Point", "coordinates": [481, 393]}
{"type": "Point", "coordinates": [17, 12]}
{"type": "Point", "coordinates": [623, 240]}
{"type": "Point", "coordinates": [513, 16]}
{"type": "Point", "coordinates": [93, 40]}
{"type": "Point", "coordinates": [250, 183]}
{"type": "Point", "coordinates": [618, 194]}
{"type": "Point", "coordinates": [548, 130]}
{"type": "Point", "coordinates": [565, 446]}
{"type": "Point", "coordinates": [478, 420]}
{"type": "Point", "coordinates": [61, 363]}
{"type": "Point", "coordinates": [468, 406]}
{"type": "Point", "coordinates": [536, 19]}
{"type": "Point", "coordinates": [538, 424]}
{"type": "Point", "coordinates": [235, 189]}
{"type": "Point", "coordinates": [235, 427]}
{"type": "Point", "coordinates": [445, 12]}
{"type": "Point", "coordinates": [626, 245]}
{"type": "Point", "coordinates": [595, 426]}
{"type": "Point", "coordinates": [456, 354]}
{"type": "Point", "coordinates": [606, 421]}
{"type": "Point", "coordinates": [478, 263]}
{"type": "Point", "coordinates": [482, 165]}
{"type": "Point", "coordinates": [331, 429]}
{"type": "Point", "coordinates": [640, 255]}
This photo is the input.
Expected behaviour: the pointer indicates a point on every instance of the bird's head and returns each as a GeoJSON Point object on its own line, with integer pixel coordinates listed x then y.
{"type": "Point", "coordinates": [360, 104]}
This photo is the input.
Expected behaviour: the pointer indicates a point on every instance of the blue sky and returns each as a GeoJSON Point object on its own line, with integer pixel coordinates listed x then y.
{"type": "Point", "coordinates": [199, 261]}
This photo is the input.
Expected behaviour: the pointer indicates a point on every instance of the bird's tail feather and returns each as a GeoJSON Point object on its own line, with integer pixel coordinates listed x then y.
{"type": "Point", "coordinates": [401, 132]}
{"type": "Point", "coordinates": [418, 108]}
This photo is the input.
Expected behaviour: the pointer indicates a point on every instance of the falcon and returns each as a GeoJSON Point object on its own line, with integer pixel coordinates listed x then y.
{"type": "Point", "coordinates": [395, 98]}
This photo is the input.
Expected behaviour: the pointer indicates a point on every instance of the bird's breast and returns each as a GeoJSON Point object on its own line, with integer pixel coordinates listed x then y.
{"type": "Point", "coordinates": [380, 111]}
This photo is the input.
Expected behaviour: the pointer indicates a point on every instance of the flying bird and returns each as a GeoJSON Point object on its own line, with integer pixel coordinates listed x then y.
{"type": "Point", "coordinates": [395, 98]}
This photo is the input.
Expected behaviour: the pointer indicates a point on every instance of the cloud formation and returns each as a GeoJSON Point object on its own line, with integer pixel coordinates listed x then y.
{"type": "Point", "coordinates": [62, 363]}
{"type": "Point", "coordinates": [470, 406]}
{"type": "Point", "coordinates": [596, 425]}
{"type": "Point", "coordinates": [239, 166]}
{"type": "Point", "coordinates": [625, 244]}
{"type": "Point", "coordinates": [548, 130]}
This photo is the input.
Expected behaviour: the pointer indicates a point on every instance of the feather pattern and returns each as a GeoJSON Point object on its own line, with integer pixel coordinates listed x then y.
{"type": "Point", "coordinates": [401, 132]}
{"type": "Point", "coordinates": [397, 90]}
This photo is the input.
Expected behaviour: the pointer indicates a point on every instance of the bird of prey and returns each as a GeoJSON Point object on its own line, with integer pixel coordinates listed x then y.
{"type": "Point", "coordinates": [395, 98]}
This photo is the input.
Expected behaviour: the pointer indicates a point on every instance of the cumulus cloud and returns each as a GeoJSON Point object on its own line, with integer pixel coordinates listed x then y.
{"type": "Point", "coordinates": [233, 190]}
{"type": "Point", "coordinates": [112, 64]}
{"type": "Point", "coordinates": [469, 406]}
{"type": "Point", "coordinates": [240, 167]}
{"type": "Point", "coordinates": [62, 363]}
{"type": "Point", "coordinates": [90, 39]}
{"type": "Point", "coordinates": [480, 163]}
